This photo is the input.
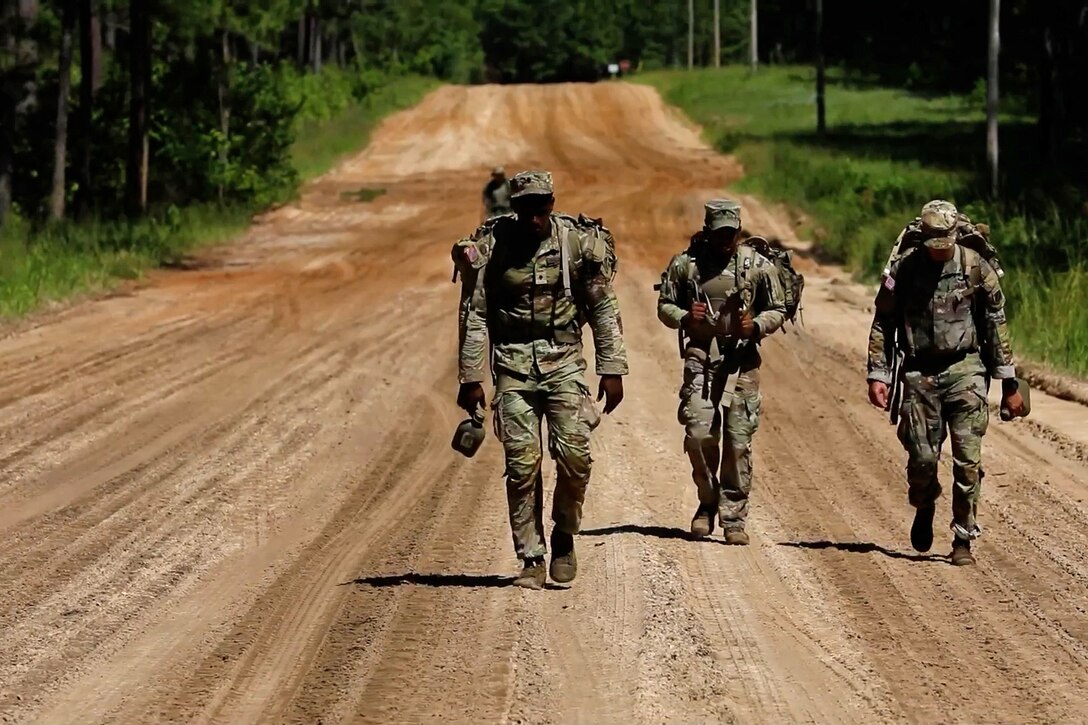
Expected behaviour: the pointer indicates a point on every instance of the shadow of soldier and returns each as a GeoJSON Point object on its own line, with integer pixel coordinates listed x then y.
{"type": "Point", "coordinates": [657, 532]}
{"type": "Point", "coordinates": [467, 581]}
{"type": "Point", "coordinates": [859, 547]}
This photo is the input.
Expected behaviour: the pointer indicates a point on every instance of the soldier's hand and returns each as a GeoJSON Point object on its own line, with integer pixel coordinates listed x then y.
{"type": "Point", "coordinates": [470, 396]}
{"type": "Point", "coordinates": [878, 394]}
{"type": "Point", "coordinates": [611, 391]}
{"type": "Point", "coordinates": [697, 313]}
{"type": "Point", "coordinates": [1014, 403]}
{"type": "Point", "coordinates": [745, 326]}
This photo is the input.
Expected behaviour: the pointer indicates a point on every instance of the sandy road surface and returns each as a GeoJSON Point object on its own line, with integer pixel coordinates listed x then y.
{"type": "Point", "coordinates": [229, 496]}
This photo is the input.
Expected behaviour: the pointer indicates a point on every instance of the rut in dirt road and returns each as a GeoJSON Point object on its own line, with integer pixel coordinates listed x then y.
{"type": "Point", "coordinates": [228, 496]}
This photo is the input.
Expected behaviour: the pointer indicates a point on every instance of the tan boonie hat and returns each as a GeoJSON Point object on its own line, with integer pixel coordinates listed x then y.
{"type": "Point", "coordinates": [939, 219]}
{"type": "Point", "coordinates": [498, 171]}
{"type": "Point", "coordinates": [721, 213]}
{"type": "Point", "coordinates": [526, 183]}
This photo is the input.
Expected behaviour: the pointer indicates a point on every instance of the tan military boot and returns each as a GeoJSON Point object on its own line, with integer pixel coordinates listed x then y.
{"type": "Point", "coordinates": [532, 574]}
{"type": "Point", "coordinates": [736, 537]}
{"type": "Point", "coordinates": [702, 524]}
{"type": "Point", "coordinates": [961, 553]}
{"type": "Point", "coordinates": [564, 566]}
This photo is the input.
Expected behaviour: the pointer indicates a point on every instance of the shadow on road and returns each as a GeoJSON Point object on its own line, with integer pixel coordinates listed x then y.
{"type": "Point", "coordinates": [860, 547]}
{"type": "Point", "coordinates": [657, 532]}
{"type": "Point", "coordinates": [469, 581]}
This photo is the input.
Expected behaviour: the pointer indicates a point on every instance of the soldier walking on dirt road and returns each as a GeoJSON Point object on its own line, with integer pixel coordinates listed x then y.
{"type": "Point", "coordinates": [724, 298]}
{"type": "Point", "coordinates": [496, 194]}
{"type": "Point", "coordinates": [529, 282]}
{"type": "Point", "coordinates": [940, 322]}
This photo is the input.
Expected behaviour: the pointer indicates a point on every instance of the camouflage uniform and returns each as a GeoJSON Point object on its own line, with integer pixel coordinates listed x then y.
{"type": "Point", "coordinates": [711, 358]}
{"type": "Point", "coordinates": [496, 194]}
{"type": "Point", "coordinates": [949, 319]}
{"type": "Point", "coordinates": [514, 295]}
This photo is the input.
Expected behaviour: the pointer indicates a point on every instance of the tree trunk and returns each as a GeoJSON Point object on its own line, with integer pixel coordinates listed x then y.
{"type": "Point", "coordinates": [753, 42]}
{"type": "Point", "coordinates": [90, 63]}
{"type": "Point", "coordinates": [1049, 95]}
{"type": "Point", "coordinates": [303, 44]}
{"type": "Point", "coordinates": [356, 48]}
{"type": "Point", "coordinates": [139, 64]}
{"type": "Point", "coordinates": [111, 30]}
{"type": "Point", "coordinates": [255, 51]}
{"type": "Point", "coordinates": [821, 76]}
{"type": "Point", "coordinates": [18, 88]}
{"type": "Point", "coordinates": [315, 44]}
{"type": "Point", "coordinates": [8, 89]}
{"type": "Point", "coordinates": [691, 34]}
{"type": "Point", "coordinates": [7, 156]}
{"type": "Point", "coordinates": [992, 95]}
{"type": "Point", "coordinates": [717, 34]}
{"type": "Point", "coordinates": [224, 108]}
{"type": "Point", "coordinates": [60, 148]}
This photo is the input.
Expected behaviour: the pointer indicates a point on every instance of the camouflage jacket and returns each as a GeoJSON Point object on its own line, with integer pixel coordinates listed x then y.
{"type": "Point", "coordinates": [513, 294]}
{"type": "Point", "coordinates": [496, 197]}
{"type": "Point", "coordinates": [934, 313]}
{"type": "Point", "coordinates": [752, 274]}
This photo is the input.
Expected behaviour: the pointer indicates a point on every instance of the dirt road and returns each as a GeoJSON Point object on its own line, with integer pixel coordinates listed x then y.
{"type": "Point", "coordinates": [229, 496]}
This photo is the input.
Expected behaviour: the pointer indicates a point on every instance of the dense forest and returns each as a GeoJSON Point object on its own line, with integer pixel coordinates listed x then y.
{"type": "Point", "coordinates": [111, 107]}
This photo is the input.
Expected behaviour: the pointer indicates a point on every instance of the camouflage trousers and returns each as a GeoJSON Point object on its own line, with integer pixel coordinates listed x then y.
{"type": "Point", "coordinates": [521, 405]}
{"type": "Point", "coordinates": [721, 465]}
{"type": "Point", "coordinates": [949, 403]}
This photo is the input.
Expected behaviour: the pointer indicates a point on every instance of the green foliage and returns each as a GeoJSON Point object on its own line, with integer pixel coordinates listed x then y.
{"type": "Point", "coordinates": [424, 37]}
{"type": "Point", "coordinates": [887, 153]}
{"type": "Point", "coordinates": [320, 143]}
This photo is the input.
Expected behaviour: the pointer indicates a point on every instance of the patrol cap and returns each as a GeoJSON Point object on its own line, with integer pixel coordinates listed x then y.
{"type": "Point", "coordinates": [721, 213]}
{"type": "Point", "coordinates": [526, 183]}
{"type": "Point", "coordinates": [939, 219]}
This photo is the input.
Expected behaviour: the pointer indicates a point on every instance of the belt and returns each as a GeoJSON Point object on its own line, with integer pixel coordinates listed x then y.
{"type": "Point", "coordinates": [934, 364]}
{"type": "Point", "coordinates": [556, 337]}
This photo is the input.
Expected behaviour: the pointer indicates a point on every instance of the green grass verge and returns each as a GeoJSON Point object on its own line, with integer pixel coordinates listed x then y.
{"type": "Point", "coordinates": [886, 153]}
{"type": "Point", "coordinates": [321, 144]}
{"type": "Point", "coordinates": [57, 262]}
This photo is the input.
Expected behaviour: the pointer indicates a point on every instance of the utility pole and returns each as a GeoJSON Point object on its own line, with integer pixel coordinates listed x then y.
{"type": "Point", "coordinates": [691, 34]}
{"type": "Point", "coordinates": [992, 96]}
{"type": "Point", "coordinates": [717, 34]}
{"type": "Point", "coordinates": [821, 80]}
{"type": "Point", "coordinates": [753, 43]}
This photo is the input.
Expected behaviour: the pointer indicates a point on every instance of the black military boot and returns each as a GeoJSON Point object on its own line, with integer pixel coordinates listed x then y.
{"type": "Point", "coordinates": [564, 566]}
{"type": "Point", "coordinates": [921, 532]}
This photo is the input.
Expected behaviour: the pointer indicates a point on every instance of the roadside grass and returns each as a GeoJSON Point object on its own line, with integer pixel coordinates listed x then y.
{"type": "Point", "coordinates": [39, 265]}
{"type": "Point", "coordinates": [887, 152]}
{"type": "Point", "coordinates": [320, 144]}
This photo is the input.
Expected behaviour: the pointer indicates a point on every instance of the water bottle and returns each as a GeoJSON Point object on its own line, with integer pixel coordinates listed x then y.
{"type": "Point", "coordinates": [469, 434]}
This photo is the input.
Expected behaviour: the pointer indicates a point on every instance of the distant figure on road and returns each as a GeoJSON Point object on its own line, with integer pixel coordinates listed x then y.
{"type": "Point", "coordinates": [724, 297]}
{"type": "Point", "coordinates": [496, 194]}
{"type": "Point", "coordinates": [529, 281]}
{"type": "Point", "coordinates": [939, 332]}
